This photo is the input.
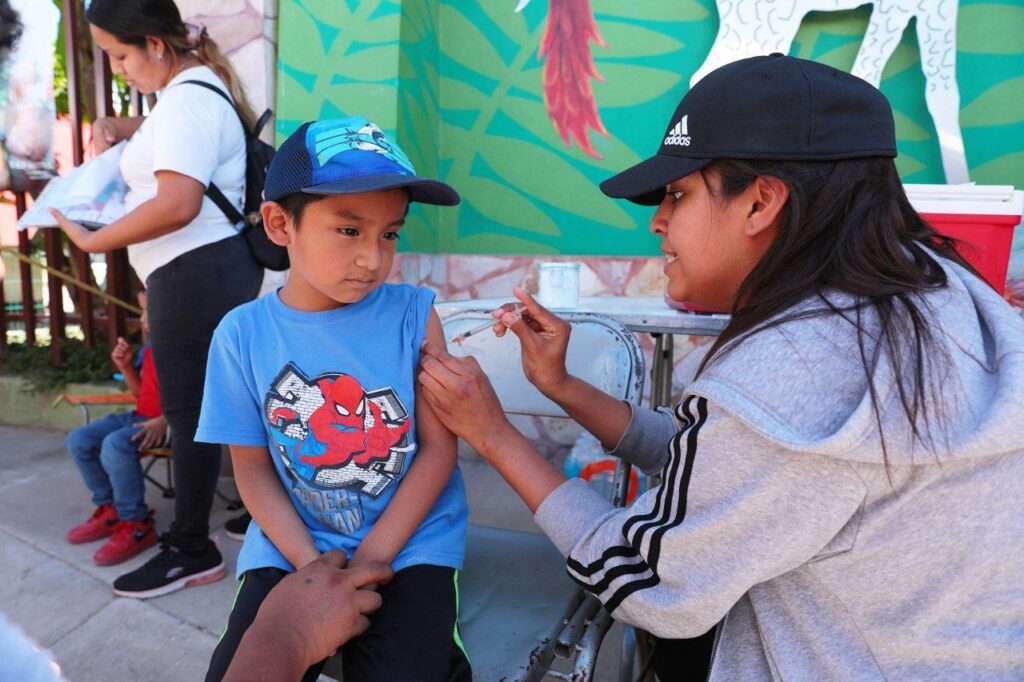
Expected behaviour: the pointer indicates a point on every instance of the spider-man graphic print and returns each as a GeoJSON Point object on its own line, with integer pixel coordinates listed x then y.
{"type": "Point", "coordinates": [331, 432]}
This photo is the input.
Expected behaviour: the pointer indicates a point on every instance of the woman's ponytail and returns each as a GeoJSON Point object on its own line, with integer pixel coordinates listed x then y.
{"type": "Point", "coordinates": [206, 50]}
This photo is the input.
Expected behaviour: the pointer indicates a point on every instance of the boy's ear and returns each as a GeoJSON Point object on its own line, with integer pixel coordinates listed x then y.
{"type": "Point", "coordinates": [276, 223]}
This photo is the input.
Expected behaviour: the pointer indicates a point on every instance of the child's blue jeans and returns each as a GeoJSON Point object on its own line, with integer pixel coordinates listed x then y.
{"type": "Point", "coordinates": [108, 460]}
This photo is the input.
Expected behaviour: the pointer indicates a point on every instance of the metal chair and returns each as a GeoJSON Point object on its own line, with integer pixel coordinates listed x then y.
{"type": "Point", "coordinates": [162, 453]}
{"type": "Point", "coordinates": [521, 618]}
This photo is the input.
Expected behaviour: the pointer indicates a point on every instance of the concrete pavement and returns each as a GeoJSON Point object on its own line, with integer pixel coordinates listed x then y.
{"type": "Point", "coordinates": [54, 592]}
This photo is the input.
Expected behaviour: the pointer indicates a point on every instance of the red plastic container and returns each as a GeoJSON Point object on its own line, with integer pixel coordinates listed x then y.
{"type": "Point", "coordinates": [986, 241]}
{"type": "Point", "coordinates": [982, 217]}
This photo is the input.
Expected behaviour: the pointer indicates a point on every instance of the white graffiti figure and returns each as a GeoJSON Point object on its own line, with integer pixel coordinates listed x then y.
{"type": "Point", "coordinates": [748, 28]}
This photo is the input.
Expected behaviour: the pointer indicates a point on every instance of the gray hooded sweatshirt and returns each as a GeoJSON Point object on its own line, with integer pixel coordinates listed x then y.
{"type": "Point", "coordinates": [779, 520]}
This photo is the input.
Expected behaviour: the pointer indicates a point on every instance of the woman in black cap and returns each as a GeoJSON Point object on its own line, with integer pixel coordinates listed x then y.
{"type": "Point", "coordinates": [840, 479]}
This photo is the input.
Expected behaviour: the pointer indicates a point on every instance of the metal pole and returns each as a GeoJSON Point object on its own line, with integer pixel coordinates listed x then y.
{"type": "Point", "coordinates": [71, 63]}
{"type": "Point", "coordinates": [3, 318]}
{"type": "Point", "coordinates": [103, 79]}
{"type": "Point", "coordinates": [84, 263]}
{"type": "Point", "coordinates": [28, 297]}
{"type": "Point", "coordinates": [55, 258]}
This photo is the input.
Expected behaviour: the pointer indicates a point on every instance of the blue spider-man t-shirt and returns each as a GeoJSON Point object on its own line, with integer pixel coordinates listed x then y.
{"type": "Point", "coordinates": [331, 395]}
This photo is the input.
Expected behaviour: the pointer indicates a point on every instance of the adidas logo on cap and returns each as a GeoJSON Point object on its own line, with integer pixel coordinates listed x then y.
{"type": "Point", "coordinates": [678, 135]}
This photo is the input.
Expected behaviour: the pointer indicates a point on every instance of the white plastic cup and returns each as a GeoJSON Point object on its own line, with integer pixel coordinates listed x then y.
{"type": "Point", "coordinates": [558, 285]}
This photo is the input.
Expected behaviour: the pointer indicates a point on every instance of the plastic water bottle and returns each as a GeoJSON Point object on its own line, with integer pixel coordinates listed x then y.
{"type": "Point", "coordinates": [587, 460]}
{"type": "Point", "coordinates": [585, 452]}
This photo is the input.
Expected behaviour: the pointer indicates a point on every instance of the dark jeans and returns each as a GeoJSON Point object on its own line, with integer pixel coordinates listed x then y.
{"type": "Point", "coordinates": [187, 299]}
{"type": "Point", "coordinates": [412, 637]}
{"type": "Point", "coordinates": [108, 460]}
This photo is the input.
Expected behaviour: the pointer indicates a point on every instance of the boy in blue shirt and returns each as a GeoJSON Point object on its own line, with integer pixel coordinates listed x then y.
{"type": "Point", "coordinates": [313, 389]}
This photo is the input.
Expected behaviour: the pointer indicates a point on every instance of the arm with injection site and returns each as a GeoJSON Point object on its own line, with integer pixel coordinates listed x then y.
{"type": "Point", "coordinates": [422, 484]}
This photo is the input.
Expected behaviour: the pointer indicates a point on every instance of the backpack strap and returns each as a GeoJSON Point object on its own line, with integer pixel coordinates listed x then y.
{"type": "Point", "coordinates": [263, 120]}
{"type": "Point", "coordinates": [216, 196]}
{"type": "Point", "coordinates": [226, 207]}
{"type": "Point", "coordinates": [231, 103]}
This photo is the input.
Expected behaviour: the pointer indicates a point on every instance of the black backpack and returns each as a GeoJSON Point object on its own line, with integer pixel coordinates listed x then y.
{"type": "Point", "coordinates": [257, 158]}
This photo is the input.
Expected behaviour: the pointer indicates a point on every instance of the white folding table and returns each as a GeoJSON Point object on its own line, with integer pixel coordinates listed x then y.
{"type": "Point", "coordinates": [648, 314]}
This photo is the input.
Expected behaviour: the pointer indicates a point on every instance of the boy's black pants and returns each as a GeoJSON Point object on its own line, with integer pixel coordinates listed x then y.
{"type": "Point", "coordinates": [412, 637]}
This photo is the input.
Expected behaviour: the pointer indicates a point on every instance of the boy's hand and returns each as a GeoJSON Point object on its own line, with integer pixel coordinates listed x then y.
{"type": "Point", "coordinates": [363, 560]}
{"type": "Point", "coordinates": [151, 433]}
{"type": "Point", "coordinates": [121, 356]}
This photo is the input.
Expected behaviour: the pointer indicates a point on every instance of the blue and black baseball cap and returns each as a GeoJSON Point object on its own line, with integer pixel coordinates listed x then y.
{"type": "Point", "coordinates": [776, 108]}
{"type": "Point", "coordinates": [347, 156]}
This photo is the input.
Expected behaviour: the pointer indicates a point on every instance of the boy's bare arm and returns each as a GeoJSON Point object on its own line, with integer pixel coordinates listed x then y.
{"type": "Point", "coordinates": [122, 357]}
{"type": "Point", "coordinates": [419, 489]}
{"type": "Point", "coordinates": [131, 380]}
{"type": "Point", "coordinates": [269, 504]}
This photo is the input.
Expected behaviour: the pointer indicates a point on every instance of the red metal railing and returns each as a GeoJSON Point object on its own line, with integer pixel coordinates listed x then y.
{"type": "Point", "coordinates": [59, 252]}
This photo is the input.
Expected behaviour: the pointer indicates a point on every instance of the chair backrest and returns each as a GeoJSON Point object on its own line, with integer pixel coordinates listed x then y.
{"type": "Point", "coordinates": [519, 612]}
{"type": "Point", "coordinates": [601, 351]}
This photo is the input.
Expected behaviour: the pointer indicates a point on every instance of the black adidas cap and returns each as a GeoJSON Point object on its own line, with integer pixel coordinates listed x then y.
{"type": "Point", "coordinates": [775, 107]}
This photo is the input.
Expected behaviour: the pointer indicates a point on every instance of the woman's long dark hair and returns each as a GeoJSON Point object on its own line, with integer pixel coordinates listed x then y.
{"type": "Point", "coordinates": [132, 21]}
{"type": "Point", "coordinates": [846, 227]}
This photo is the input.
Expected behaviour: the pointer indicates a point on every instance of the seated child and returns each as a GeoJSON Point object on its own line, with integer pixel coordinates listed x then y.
{"type": "Point", "coordinates": [313, 389]}
{"type": "Point", "coordinates": [106, 453]}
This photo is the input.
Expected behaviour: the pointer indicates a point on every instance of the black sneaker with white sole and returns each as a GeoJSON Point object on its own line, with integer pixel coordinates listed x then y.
{"type": "Point", "coordinates": [235, 528]}
{"type": "Point", "coordinates": [171, 570]}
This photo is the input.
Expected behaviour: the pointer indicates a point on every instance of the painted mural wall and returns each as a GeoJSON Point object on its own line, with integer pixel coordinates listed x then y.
{"type": "Point", "coordinates": [525, 112]}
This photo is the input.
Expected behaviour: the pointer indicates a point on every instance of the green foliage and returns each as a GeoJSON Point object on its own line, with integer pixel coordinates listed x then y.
{"type": "Point", "coordinates": [337, 60]}
{"type": "Point", "coordinates": [80, 365]}
{"type": "Point", "coordinates": [990, 28]}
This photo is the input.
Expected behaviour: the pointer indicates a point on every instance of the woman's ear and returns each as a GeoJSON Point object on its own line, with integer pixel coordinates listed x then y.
{"type": "Point", "coordinates": [277, 223]}
{"type": "Point", "coordinates": [770, 196]}
{"type": "Point", "coordinates": [155, 47]}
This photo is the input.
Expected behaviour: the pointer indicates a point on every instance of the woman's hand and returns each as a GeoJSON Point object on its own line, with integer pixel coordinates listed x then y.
{"type": "Point", "coordinates": [79, 235]}
{"type": "Point", "coordinates": [104, 134]}
{"type": "Point", "coordinates": [544, 339]}
{"type": "Point", "coordinates": [462, 397]}
{"type": "Point", "coordinates": [151, 433]}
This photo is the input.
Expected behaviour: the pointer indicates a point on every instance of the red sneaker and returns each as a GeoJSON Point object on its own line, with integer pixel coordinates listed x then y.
{"type": "Point", "coordinates": [100, 525]}
{"type": "Point", "coordinates": [130, 538]}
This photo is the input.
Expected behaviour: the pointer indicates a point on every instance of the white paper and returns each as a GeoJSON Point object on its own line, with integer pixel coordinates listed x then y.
{"type": "Point", "coordinates": [92, 194]}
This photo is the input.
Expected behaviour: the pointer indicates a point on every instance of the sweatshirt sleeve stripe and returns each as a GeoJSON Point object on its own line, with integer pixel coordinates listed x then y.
{"type": "Point", "coordinates": [668, 473]}
{"type": "Point", "coordinates": [673, 515]}
{"type": "Point", "coordinates": [625, 569]}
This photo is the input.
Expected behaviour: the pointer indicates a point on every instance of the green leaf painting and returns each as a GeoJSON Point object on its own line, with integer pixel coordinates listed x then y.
{"type": "Point", "coordinates": [332, 62]}
{"type": "Point", "coordinates": [462, 85]}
